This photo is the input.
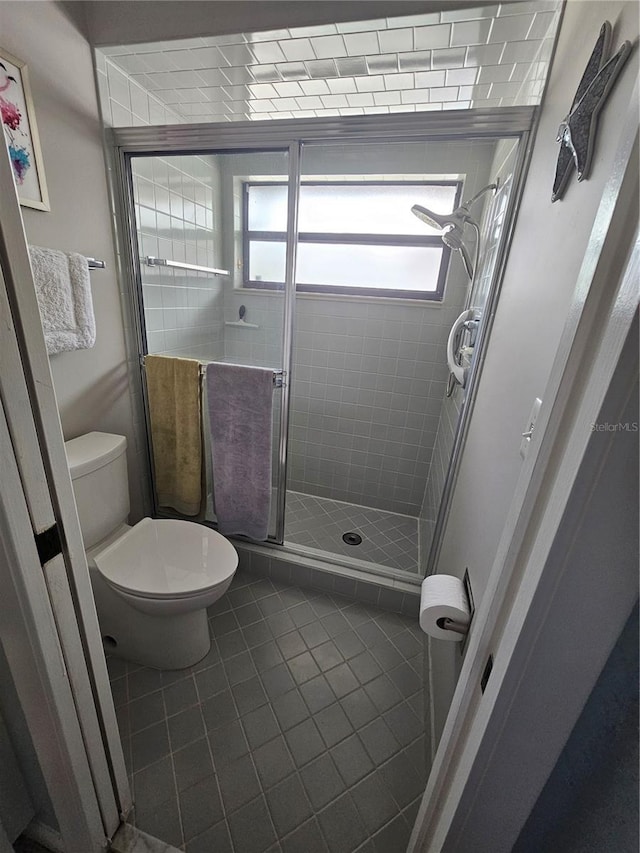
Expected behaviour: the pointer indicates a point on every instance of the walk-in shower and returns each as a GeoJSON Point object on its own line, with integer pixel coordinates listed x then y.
{"type": "Point", "coordinates": [300, 253]}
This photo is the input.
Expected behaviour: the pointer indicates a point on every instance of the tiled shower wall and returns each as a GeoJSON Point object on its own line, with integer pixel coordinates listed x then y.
{"type": "Point", "coordinates": [368, 374]}
{"type": "Point", "coordinates": [178, 215]}
{"type": "Point", "coordinates": [503, 167]}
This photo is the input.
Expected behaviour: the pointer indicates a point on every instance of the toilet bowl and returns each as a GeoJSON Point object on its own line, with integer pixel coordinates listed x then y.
{"type": "Point", "coordinates": [153, 581]}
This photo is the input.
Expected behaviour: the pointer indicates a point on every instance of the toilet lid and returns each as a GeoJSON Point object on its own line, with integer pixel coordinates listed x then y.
{"type": "Point", "coordinates": [166, 558]}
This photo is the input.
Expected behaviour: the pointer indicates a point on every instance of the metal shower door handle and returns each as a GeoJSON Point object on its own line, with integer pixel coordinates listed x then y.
{"type": "Point", "coordinates": [457, 370]}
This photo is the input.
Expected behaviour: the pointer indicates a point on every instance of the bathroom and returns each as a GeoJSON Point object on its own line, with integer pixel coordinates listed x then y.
{"type": "Point", "coordinates": [102, 389]}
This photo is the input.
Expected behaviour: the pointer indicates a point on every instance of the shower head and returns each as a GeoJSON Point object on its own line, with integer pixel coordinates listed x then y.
{"type": "Point", "coordinates": [438, 220]}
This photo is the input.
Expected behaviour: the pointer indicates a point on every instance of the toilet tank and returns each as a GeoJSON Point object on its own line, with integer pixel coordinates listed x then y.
{"type": "Point", "coordinates": [98, 465]}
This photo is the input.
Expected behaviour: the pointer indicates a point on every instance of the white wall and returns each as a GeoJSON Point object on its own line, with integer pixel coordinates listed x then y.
{"type": "Point", "coordinates": [91, 385]}
{"type": "Point", "coordinates": [546, 254]}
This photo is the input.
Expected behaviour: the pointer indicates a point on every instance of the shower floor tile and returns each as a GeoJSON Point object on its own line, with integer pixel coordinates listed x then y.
{"type": "Point", "coordinates": [283, 741]}
{"type": "Point", "coordinates": [388, 539]}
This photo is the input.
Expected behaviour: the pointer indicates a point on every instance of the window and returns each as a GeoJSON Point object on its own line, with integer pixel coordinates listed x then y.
{"type": "Point", "coordinates": [354, 238]}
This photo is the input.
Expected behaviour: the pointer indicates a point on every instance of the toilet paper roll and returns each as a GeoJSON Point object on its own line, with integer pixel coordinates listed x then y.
{"type": "Point", "coordinates": [443, 597]}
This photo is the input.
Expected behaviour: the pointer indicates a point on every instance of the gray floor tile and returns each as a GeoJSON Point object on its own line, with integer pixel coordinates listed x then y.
{"type": "Point", "coordinates": [154, 785]}
{"type": "Point", "coordinates": [291, 645]}
{"type": "Point", "coordinates": [216, 838]}
{"type": "Point", "coordinates": [379, 741]}
{"type": "Point", "coordinates": [180, 695]}
{"type": "Point", "coordinates": [302, 614]}
{"type": "Point", "coordinates": [280, 623]}
{"type": "Point", "coordinates": [185, 727]}
{"type": "Point", "coordinates": [322, 781]}
{"type": "Point", "coordinates": [289, 805]}
{"type": "Point", "coordinates": [374, 802]}
{"type": "Point", "coordinates": [211, 681]}
{"type": "Point", "coordinates": [306, 839]}
{"type": "Point", "coordinates": [257, 634]}
{"type": "Point", "coordinates": [251, 827]}
{"type": "Point", "coordinates": [342, 826]}
{"type": "Point", "coordinates": [290, 709]}
{"type": "Point", "coordinates": [327, 656]}
{"type": "Point", "coordinates": [266, 655]}
{"type": "Point", "coordinates": [406, 680]}
{"type": "Point", "coordinates": [317, 693]}
{"type": "Point", "coordinates": [393, 837]}
{"type": "Point", "coordinates": [359, 708]}
{"type": "Point", "coordinates": [227, 744]}
{"type": "Point", "coordinates": [163, 822]}
{"type": "Point", "coordinates": [232, 644]}
{"type": "Point", "coordinates": [401, 779]}
{"type": "Point", "coordinates": [303, 667]}
{"type": "Point", "coordinates": [143, 681]}
{"type": "Point", "coordinates": [238, 783]}
{"type": "Point", "coordinates": [200, 807]}
{"type": "Point", "coordinates": [365, 667]}
{"type": "Point", "coordinates": [349, 643]}
{"type": "Point", "coordinates": [333, 724]}
{"type": "Point", "coordinates": [304, 742]}
{"type": "Point", "coordinates": [404, 723]}
{"type": "Point", "coordinates": [342, 680]}
{"type": "Point", "coordinates": [277, 681]}
{"type": "Point", "coordinates": [260, 726]}
{"type": "Point", "coordinates": [273, 762]}
{"type": "Point", "coordinates": [219, 710]}
{"type": "Point", "coordinates": [192, 764]}
{"type": "Point", "coordinates": [146, 711]}
{"type": "Point", "coordinates": [314, 634]}
{"type": "Point", "coordinates": [351, 760]}
{"type": "Point", "coordinates": [249, 695]}
{"type": "Point", "coordinates": [239, 668]}
{"type": "Point", "coordinates": [383, 693]}
{"type": "Point", "coordinates": [149, 745]}
{"type": "Point", "coordinates": [243, 719]}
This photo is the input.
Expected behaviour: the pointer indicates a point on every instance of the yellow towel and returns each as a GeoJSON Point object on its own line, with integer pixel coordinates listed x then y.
{"type": "Point", "coordinates": [173, 386]}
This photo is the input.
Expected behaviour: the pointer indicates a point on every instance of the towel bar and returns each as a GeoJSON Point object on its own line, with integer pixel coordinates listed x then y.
{"type": "Point", "coordinates": [95, 264]}
{"type": "Point", "coordinates": [150, 261]}
{"type": "Point", "coordinates": [278, 374]}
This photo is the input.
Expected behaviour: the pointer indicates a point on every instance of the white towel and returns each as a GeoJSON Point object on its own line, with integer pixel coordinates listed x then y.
{"type": "Point", "coordinates": [63, 288]}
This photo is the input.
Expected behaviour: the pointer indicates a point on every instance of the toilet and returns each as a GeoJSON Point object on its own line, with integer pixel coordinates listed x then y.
{"type": "Point", "coordinates": [152, 582]}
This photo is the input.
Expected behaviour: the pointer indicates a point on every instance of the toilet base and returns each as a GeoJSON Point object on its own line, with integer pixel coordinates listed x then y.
{"type": "Point", "coordinates": [160, 642]}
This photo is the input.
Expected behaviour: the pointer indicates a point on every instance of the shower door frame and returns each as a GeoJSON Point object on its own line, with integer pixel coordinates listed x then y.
{"type": "Point", "coordinates": [292, 135]}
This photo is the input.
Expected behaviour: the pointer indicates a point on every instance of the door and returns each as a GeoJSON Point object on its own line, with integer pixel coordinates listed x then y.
{"type": "Point", "coordinates": [48, 626]}
{"type": "Point", "coordinates": [212, 253]}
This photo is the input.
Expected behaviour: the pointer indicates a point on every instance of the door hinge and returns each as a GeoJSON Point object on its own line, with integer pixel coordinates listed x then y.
{"type": "Point", "coordinates": [48, 544]}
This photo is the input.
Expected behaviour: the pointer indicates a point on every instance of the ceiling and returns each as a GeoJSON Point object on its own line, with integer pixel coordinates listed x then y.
{"type": "Point", "coordinates": [494, 55]}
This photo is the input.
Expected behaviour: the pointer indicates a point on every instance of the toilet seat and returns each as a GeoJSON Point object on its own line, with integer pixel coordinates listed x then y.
{"type": "Point", "coordinates": [167, 559]}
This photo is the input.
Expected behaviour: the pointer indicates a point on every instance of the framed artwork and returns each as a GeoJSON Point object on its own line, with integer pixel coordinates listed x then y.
{"type": "Point", "coordinates": [21, 132]}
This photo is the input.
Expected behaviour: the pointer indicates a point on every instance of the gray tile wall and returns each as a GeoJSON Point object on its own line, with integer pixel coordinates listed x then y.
{"type": "Point", "coordinates": [178, 215]}
{"type": "Point", "coordinates": [491, 229]}
{"type": "Point", "coordinates": [368, 374]}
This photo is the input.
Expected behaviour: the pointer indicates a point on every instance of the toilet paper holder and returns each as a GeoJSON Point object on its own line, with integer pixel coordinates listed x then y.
{"type": "Point", "coordinates": [451, 625]}
{"type": "Point", "coordinates": [461, 627]}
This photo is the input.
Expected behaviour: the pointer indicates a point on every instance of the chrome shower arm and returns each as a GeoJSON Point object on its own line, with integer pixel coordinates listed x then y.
{"type": "Point", "coordinates": [467, 204]}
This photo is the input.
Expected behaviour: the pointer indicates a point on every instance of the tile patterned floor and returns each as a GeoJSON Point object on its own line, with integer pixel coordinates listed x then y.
{"type": "Point", "coordinates": [300, 732]}
{"type": "Point", "coordinates": [388, 539]}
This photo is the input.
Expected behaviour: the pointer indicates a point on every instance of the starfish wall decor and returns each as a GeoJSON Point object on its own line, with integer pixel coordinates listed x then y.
{"type": "Point", "coordinates": [577, 131]}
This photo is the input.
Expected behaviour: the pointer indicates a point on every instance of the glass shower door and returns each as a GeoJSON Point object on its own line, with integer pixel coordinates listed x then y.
{"type": "Point", "coordinates": [211, 284]}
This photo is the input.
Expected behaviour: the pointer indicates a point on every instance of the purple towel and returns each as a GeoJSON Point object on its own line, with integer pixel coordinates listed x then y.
{"type": "Point", "coordinates": [240, 401]}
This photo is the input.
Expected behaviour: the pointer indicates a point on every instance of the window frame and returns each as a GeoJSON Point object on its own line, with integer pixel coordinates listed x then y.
{"type": "Point", "coordinates": [349, 239]}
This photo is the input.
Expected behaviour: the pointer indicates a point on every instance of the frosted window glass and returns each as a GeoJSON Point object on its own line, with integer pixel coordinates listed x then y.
{"type": "Point", "coordinates": [414, 268]}
{"type": "Point", "coordinates": [268, 208]}
{"type": "Point", "coordinates": [267, 261]}
{"type": "Point", "coordinates": [371, 209]}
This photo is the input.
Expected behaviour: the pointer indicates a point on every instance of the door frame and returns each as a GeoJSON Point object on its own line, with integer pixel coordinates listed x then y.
{"type": "Point", "coordinates": [59, 619]}
{"type": "Point", "coordinates": [293, 135]}
{"type": "Point", "coordinates": [601, 314]}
